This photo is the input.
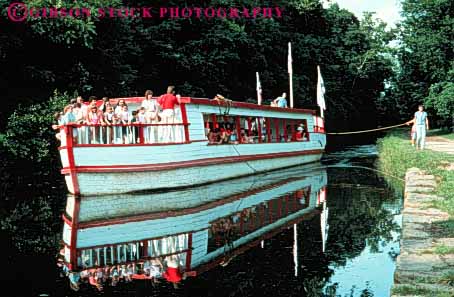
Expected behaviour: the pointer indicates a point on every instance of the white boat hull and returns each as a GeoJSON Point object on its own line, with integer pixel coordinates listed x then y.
{"type": "Point", "coordinates": [126, 182]}
{"type": "Point", "coordinates": [92, 169]}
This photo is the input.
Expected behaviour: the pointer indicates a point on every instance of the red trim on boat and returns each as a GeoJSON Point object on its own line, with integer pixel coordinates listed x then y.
{"type": "Point", "coordinates": [71, 170]}
{"type": "Point", "coordinates": [74, 228]}
{"type": "Point", "coordinates": [186, 211]}
{"type": "Point", "coordinates": [66, 220]}
{"type": "Point", "coordinates": [184, 116]}
{"type": "Point", "coordinates": [186, 164]}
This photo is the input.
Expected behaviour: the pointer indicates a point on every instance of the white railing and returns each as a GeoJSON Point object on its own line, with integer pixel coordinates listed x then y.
{"type": "Point", "coordinates": [134, 133]}
{"type": "Point", "coordinates": [133, 251]}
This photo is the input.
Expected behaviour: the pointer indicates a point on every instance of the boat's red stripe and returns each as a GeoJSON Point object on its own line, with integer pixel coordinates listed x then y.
{"type": "Point", "coordinates": [71, 163]}
{"type": "Point", "coordinates": [181, 212]}
{"type": "Point", "coordinates": [186, 164]}
{"type": "Point", "coordinates": [74, 229]}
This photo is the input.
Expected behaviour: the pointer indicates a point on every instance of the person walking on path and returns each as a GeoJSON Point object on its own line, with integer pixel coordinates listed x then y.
{"type": "Point", "coordinates": [422, 126]}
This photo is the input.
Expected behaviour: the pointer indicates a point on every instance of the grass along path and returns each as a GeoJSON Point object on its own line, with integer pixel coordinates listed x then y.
{"type": "Point", "coordinates": [425, 266]}
{"type": "Point", "coordinates": [397, 155]}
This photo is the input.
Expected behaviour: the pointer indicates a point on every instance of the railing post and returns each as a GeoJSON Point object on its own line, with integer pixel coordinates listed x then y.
{"type": "Point", "coordinates": [276, 128]}
{"type": "Point", "coordinates": [284, 125]}
{"type": "Point", "coordinates": [292, 123]}
{"type": "Point", "coordinates": [249, 124]}
{"type": "Point", "coordinates": [238, 128]}
{"type": "Point", "coordinates": [69, 135]}
{"type": "Point", "coordinates": [268, 129]}
{"type": "Point", "coordinates": [259, 129]}
{"type": "Point", "coordinates": [184, 117]}
{"type": "Point", "coordinates": [141, 134]}
{"type": "Point", "coordinates": [189, 252]}
{"type": "Point", "coordinates": [306, 130]}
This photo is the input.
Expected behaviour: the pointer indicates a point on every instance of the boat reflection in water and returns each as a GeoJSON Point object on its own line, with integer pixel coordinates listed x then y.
{"type": "Point", "coordinates": [187, 231]}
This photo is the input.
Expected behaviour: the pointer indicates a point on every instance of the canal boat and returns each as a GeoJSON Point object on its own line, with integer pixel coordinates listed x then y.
{"type": "Point", "coordinates": [102, 159]}
{"type": "Point", "coordinates": [200, 233]}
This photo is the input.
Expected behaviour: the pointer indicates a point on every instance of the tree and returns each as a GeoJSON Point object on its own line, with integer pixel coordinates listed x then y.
{"type": "Point", "coordinates": [425, 56]}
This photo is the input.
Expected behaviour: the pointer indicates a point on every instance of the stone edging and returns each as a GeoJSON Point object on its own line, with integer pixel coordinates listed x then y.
{"type": "Point", "coordinates": [418, 266]}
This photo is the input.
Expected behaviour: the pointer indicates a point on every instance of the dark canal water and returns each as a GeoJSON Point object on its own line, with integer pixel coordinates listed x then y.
{"type": "Point", "coordinates": [340, 240]}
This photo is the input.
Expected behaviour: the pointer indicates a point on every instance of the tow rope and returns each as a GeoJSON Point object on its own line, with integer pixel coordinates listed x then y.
{"type": "Point", "coordinates": [365, 131]}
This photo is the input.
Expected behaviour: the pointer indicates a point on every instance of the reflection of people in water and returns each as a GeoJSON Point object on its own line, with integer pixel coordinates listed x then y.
{"type": "Point", "coordinates": [173, 273]}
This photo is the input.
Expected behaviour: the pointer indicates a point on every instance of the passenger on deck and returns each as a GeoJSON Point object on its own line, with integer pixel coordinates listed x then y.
{"type": "Point", "coordinates": [69, 118]}
{"type": "Point", "coordinates": [167, 103]}
{"type": "Point", "coordinates": [83, 106]}
{"type": "Point", "coordinates": [224, 136]}
{"type": "Point", "coordinates": [119, 106]}
{"type": "Point", "coordinates": [213, 136]}
{"type": "Point", "coordinates": [124, 118]}
{"type": "Point", "coordinates": [77, 111]}
{"type": "Point", "coordinates": [56, 124]}
{"type": "Point", "coordinates": [94, 116]}
{"type": "Point", "coordinates": [109, 116]}
{"type": "Point", "coordinates": [281, 101]}
{"type": "Point", "coordinates": [233, 137]}
{"type": "Point", "coordinates": [151, 115]}
{"type": "Point", "coordinates": [244, 138]}
{"type": "Point", "coordinates": [149, 103]}
{"type": "Point", "coordinates": [105, 103]}
{"type": "Point", "coordinates": [136, 118]}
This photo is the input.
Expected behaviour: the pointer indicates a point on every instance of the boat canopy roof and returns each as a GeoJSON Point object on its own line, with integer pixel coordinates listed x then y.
{"type": "Point", "coordinates": [206, 101]}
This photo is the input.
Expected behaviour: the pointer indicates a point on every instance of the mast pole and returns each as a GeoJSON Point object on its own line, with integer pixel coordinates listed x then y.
{"type": "Point", "coordinates": [290, 73]}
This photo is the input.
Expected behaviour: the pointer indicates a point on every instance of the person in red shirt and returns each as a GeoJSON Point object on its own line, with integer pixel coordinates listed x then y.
{"type": "Point", "coordinates": [167, 103]}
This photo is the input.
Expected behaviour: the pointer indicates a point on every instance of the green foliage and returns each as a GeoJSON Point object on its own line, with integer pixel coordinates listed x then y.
{"type": "Point", "coordinates": [123, 56]}
{"type": "Point", "coordinates": [407, 290]}
{"type": "Point", "coordinates": [441, 99]}
{"type": "Point", "coordinates": [29, 134]}
{"type": "Point", "coordinates": [444, 250]}
{"type": "Point", "coordinates": [425, 57]}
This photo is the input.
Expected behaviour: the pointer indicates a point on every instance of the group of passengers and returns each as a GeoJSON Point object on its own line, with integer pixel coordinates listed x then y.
{"type": "Point", "coordinates": [167, 268]}
{"type": "Point", "coordinates": [226, 133]}
{"type": "Point", "coordinates": [110, 122]}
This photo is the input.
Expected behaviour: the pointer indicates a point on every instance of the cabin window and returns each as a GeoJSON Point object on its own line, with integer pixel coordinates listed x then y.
{"type": "Point", "coordinates": [234, 129]}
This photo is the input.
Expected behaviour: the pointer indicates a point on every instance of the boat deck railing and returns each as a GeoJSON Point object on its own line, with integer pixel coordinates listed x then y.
{"type": "Point", "coordinates": [131, 252]}
{"type": "Point", "coordinates": [125, 134]}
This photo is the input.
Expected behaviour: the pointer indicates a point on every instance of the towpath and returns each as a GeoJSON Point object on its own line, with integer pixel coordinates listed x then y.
{"type": "Point", "coordinates": [440, 144]}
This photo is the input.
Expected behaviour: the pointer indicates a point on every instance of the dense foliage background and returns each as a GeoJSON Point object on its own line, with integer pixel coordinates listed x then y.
{"type": "Point", "coordinates": [368, 82]}
{"type": "Point", "coordinates": [124, 57]}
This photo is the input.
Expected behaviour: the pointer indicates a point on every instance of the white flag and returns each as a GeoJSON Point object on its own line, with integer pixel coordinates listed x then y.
{"type": "Point", "coordinates": [289, 59]}
{"type": "Point", "coordinates": [320, 91]}
{"type": "Point", "coordinates": [259, 90]}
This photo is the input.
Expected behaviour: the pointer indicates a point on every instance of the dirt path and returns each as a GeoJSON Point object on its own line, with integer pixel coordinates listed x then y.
{"type": "Point", "coordinates": [440, 144]}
